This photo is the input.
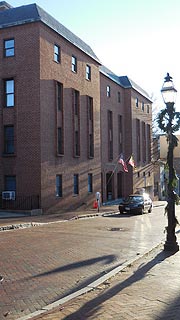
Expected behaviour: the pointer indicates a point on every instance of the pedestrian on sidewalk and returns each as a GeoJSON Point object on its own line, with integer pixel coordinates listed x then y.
{"type": "Point", "coordinates": [98, 199]}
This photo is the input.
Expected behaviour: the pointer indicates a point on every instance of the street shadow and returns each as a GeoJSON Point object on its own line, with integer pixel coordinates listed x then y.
{"type": "Point", "coordinates": [94, 305]}
{"type": "Point", "coordinates": [108, 259]}
{"type": "Point", "coordinates": [171, 312]}
{"type": "Point", "coordinates": [105, 260]}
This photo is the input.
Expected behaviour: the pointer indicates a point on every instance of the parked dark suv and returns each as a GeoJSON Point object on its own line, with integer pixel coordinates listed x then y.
{"type": "Point", "coordinates": [136, 203]}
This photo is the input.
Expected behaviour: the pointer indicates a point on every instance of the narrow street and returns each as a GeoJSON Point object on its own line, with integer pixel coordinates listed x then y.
{"type": "Point", "coordinates": [42, 264]}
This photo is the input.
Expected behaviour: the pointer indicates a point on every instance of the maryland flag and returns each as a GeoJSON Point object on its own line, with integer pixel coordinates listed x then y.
{"type": "Point", "coordinates": [131, 161]}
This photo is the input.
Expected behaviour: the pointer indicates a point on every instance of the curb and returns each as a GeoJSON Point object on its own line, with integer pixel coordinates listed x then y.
{"type": "Point", "coordinates": [77, 217]}
{"type": "Point", "coordinates": [35, 224]}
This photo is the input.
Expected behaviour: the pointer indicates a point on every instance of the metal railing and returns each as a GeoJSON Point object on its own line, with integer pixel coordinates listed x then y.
{"type": "Point", "coordinates": [20, 203]}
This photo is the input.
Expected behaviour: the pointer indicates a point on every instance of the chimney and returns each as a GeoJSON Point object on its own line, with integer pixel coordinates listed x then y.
{"type": "Point", "coordinates": [4, 6]}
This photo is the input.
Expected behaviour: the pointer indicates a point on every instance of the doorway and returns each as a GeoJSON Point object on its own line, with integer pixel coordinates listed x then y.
{"type": "Point", "coordinates": [109, 186]}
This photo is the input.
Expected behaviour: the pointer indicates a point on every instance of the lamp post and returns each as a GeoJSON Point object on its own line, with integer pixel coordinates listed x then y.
{"type": "Point", "coordinates": [168, 122]}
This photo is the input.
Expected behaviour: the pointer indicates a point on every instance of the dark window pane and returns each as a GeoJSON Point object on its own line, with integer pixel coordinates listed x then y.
{"type": "Point", "coordinates": [10, 183]}
{"type": "Point", "coordinates": [9, 139]}
{"type": "Point", "coordinates": [76, 184]}
{"type": "Point", "coordinates": [59, 185]}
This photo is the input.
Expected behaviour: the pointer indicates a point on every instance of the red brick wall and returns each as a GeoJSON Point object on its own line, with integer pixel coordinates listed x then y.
{"type": "Point", "coordinates": [118, 108]}
{"type": "Point", "coordinates": [35, 163]}
{"type": "Point", "coordinates": [67, 165]}
{"type": "Point", "coordinates": [25, 116]}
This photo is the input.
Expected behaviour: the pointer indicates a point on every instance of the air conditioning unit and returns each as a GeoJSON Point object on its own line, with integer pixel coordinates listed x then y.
{"type": "Point", "coordinates": [8, 195]}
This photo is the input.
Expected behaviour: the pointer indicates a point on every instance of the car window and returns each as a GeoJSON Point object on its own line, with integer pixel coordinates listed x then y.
{"type": "Point", "coordinates": [134, 199]}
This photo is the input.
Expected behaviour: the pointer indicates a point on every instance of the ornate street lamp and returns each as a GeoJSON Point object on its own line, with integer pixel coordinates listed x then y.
{"type": "Point", "coordinates": [169, 122]}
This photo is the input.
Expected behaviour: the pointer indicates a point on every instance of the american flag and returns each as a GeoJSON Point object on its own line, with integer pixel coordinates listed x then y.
{"type": "Point", "coordinates": [123, 163]}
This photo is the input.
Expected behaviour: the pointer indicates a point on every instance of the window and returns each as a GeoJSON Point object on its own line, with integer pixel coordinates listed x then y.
{"type": "Point", "coordinates": [143, 106]}
{"type": "Point", "coordinates": [56, 53]}
{"type": "Point", "coordinates": [9, 48]}
{"type": "Point", "coordinates": [148, 142]}
{"type": "Point", "coordinates": [147, 108]}
{"type": "Point", "coordinates": [59, 119]}
{"type": "Point", "coordinates": [76, 103]}
{"type": "Point", "coordinates": [60, 146]}
{"type": "Point", "coordinates": [59, 185]}
{"type": "Point", "coordinates": [120, 134]}
{"type": "Point", "coordinates": [76, 143]}
{"type": "Point", "coordinates": [110, 135]}
{"type": "Point", "coordinates": [90, 185]}
{"type": "Point", "coordinates": [144, 141]}
{"type": "Point", "coordinates": [88, 72]}
{"type": "Point", "coordinates": [9, 93]}
{"type": "Point", "coordinates": [8, 139]}
{"type": "Point", "coordinates": [119, 96]}
{"type": "Point", "coordinates": [59, 96]}
{"type": "Point", "coordinates": [137, 103]}
{"type": "Point", "coordinates": [76, 184]}
{"type": "Point", "coordinates": [138, 146]}
{"type": "Point", "coordinates": [108, 91]}
{"type": "Point", "coordinates": [74, 64]}
{"type": "Point", "coordinates": [76, 124]}
{"type": "Point", "coordinates": [10, 183]}
{"type": "Point", "coordinates": [90, 127]}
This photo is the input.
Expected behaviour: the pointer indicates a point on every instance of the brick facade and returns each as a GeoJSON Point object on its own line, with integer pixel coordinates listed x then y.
{"type": "Point", "coordinates": [36, 119]}
{"type": "Point", "coordinates": [116, 182]}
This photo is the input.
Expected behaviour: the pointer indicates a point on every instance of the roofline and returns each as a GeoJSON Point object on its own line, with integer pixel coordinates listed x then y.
{"type": "Point", "coordinates": [113, 79]}
{"type": "Point", "coordinates": [131, 85]}
{"type": "Point", "coordinates": [42, 20]}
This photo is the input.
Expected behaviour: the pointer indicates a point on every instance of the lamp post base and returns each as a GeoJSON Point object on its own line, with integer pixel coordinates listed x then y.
{"type": "Point", "coordinates": [171, 246]}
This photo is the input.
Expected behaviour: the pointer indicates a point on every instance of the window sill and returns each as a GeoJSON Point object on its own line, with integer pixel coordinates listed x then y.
{"type": "Point", "coordinates": [10, 155]}
{"type": "Point", "coordinates": [60, 155]}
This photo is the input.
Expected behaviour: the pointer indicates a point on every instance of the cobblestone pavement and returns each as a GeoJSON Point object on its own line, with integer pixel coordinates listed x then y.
{"type": "Point", "coordinates": [43, 264]}
{"type": "Point", "coordinates": [149, 289]}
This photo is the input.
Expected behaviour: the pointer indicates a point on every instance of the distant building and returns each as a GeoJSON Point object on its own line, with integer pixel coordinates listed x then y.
{"type": "Point", "coordinates": [65, 118]}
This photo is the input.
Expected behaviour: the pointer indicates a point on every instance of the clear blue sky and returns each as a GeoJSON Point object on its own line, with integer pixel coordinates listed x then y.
{"type": "Point", "coordinates": [137, 38]}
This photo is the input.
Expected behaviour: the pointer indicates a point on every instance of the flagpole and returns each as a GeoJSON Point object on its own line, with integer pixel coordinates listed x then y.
{"type": "Point", "coordinates": [118, 157]}
{"type": "Point", "coordinates": [113, 170]}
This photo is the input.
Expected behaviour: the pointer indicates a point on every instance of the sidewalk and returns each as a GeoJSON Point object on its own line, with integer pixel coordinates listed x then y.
{"type": "Point", "coordinates": [149, 289]}
{"type": "Point", "coordinates": [10, 220]}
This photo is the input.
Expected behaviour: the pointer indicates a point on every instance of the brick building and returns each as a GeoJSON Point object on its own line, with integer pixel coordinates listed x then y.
{"type": "Point", "coordinates": [55, 116]}
{"type": "Point", "coordinates": [126, 118]}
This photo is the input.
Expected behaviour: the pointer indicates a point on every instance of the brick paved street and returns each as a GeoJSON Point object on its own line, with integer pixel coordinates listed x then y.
{"type": "Point", "coordinates": [147, 290]}
{"type": "Point", "coordinates": [48, 262]}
